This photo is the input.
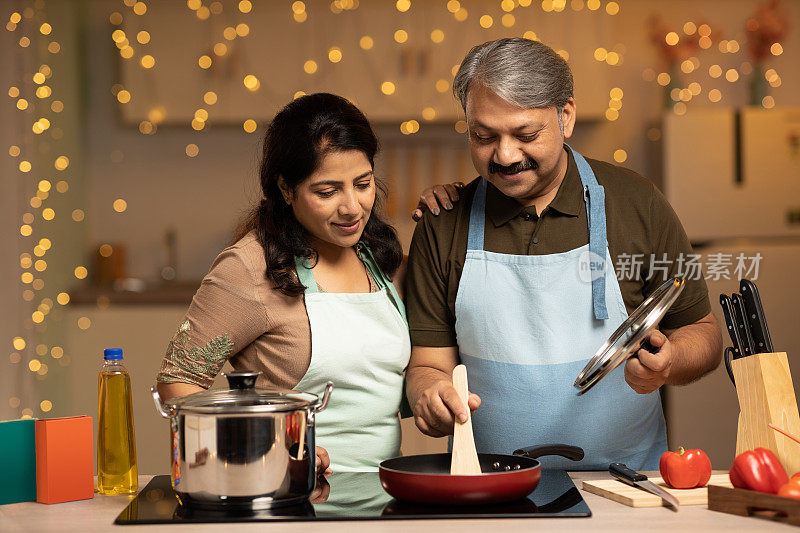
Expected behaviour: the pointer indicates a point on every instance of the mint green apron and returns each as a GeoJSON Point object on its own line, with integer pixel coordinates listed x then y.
{"type": "Point", "coordinates": [360, 342]}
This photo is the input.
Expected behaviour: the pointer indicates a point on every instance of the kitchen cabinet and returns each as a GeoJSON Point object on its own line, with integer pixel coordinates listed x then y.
{"type": "Point", "coordinates": [143, 333]}
{"type": "Point", "coordinates": [276, 49]}
{"type": "Point", "coordinates": [732, 173]}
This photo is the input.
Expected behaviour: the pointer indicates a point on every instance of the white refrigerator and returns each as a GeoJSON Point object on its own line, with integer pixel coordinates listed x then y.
{"type": "Point", "coordinates": [733, 178]}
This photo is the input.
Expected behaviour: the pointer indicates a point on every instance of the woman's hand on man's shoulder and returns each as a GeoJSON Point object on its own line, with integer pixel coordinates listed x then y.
{"type": "Point", "coordinates": [434, 198]}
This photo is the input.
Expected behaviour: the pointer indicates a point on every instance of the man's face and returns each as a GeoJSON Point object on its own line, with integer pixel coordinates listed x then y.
{"type": "Point", "coordinates": [520, 151]}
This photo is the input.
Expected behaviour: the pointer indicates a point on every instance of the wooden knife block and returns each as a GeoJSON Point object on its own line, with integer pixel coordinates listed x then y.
{"type": "Point", "coordinates": [766, 396]}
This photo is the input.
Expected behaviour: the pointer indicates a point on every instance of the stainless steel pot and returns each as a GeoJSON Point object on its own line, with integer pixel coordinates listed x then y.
{"type": "Point", "coordinates": [243, 447]}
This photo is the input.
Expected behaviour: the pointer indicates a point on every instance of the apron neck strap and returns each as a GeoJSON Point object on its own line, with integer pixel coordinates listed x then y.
{"type": "Point", "coordinates": [594, 195]}
{"type": "Point", "coordinates": [306, 276]}
{"type": "Point", "coordinates": [477, 218]}
{"type": "Point", "coordinates": [381, 278]}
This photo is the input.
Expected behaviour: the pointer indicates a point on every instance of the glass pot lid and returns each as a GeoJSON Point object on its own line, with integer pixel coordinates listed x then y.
{"type": "Point", "coordinates": [242, 398]}
{"type": "Point", "coordinates": [630, 336]}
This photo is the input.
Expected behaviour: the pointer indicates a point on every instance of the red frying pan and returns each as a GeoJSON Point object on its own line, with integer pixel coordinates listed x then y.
{"type": "Point", "coordinates": [426, 478]}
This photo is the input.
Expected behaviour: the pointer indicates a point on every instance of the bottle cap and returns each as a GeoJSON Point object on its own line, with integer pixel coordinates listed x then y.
{"type": "Point", "coordinates": [112, 354]}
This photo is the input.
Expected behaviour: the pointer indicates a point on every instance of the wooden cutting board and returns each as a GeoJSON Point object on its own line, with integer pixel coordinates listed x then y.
{"type": "Point", "coordinates": [635, 497]}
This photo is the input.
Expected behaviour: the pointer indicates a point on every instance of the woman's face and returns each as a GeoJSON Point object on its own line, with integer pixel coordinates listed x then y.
{"type": "Point", "coordinates": [335, 202]}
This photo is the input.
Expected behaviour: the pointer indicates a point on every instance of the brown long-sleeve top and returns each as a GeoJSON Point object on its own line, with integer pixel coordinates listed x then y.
{"type": "Point", "coordinates": [237, 314]}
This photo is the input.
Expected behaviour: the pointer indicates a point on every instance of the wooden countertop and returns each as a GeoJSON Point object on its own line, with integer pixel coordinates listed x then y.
{"type": "Point", "coordinates": [140, 293]}
{"type": "Point", "coordinates": [99, 513]}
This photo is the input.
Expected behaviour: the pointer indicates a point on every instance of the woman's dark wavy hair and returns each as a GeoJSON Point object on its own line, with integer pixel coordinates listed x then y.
{"type": "Point", "coordinates": [298, 138]}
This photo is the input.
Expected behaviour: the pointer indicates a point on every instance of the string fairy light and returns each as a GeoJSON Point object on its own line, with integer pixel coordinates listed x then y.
{"type": "Point", "coordinates": [133, 41]}
{"type": "Point", "coordinates": [299, 11]}
{"type": "Point", "coordinates": [130, 45]}
{"type": "Point", "coordinates": [40, 282]}
{"type": "Point", "coordinates": [686, 81]}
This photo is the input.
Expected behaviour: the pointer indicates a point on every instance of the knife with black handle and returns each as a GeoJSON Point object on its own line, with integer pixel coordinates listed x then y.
{"type": "Point", "coordinates": [639, 480]}
{"type": "Point", "coordinates": [740, 316]}
{"type": "Point", "coordinates": [730, 324]}
{"type": "Point", "coordinates": [756, 317]}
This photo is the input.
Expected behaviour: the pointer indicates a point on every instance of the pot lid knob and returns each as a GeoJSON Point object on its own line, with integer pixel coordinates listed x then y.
{"type": "Point", "coordinates": [242, 380]}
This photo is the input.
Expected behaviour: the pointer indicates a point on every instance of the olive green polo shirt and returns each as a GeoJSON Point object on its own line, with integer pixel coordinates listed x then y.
{"type": "Point", "coordinates": [645, 239]}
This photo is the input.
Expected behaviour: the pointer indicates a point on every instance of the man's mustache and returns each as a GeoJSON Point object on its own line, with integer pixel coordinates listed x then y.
{"type": "Point", "coordinates": [519, 166]}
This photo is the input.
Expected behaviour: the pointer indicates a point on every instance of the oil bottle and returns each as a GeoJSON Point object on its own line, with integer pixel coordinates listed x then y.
{"type": "Point", "coordinates": [116, 445]}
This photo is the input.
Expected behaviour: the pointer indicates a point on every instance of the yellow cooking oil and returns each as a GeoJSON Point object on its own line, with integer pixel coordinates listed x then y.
{"type": "Point", "coordinates": [116, 444]}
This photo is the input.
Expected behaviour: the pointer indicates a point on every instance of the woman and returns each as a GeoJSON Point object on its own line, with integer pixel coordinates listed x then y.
{"type": "Point", "coordinates": [309, 291]}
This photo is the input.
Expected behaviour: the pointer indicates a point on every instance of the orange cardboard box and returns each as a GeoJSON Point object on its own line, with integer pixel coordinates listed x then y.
{"type": "Point", "coordinates": [64, 459]}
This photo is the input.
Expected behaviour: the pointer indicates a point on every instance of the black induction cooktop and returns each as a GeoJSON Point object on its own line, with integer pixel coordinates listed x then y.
{"type": "Point", "coordinates": [359, 496]}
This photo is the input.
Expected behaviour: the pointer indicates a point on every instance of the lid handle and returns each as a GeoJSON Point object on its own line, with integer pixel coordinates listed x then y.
{"type": "Point", "coordinates": [242, 380]}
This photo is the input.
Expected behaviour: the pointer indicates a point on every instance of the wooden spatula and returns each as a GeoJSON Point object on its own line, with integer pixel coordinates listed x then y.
{"type": "Point", "coordinates": [465, 458]}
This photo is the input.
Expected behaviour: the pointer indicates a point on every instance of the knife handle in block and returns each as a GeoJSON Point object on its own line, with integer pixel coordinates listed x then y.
{"type": "Point", "coordinates": [755, 316]}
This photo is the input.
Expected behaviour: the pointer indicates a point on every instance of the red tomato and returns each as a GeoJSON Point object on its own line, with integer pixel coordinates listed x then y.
{"type": "Point", "coordinates": [685, 469]}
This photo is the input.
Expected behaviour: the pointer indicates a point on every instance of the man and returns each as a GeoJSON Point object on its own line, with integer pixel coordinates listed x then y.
{"type": "Point", "coordinates": [495, 283]}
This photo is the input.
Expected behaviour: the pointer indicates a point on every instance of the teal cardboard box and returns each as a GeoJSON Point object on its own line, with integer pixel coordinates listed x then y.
{"type": "Point", "coordinates": [18, 461]}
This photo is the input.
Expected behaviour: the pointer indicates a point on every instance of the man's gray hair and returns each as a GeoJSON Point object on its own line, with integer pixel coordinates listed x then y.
{"type": "Point", "coordinates": [523, 72]}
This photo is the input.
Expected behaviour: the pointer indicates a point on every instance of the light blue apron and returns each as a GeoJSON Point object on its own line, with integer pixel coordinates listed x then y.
{"type": "Point", "coordinates": [527, 324]}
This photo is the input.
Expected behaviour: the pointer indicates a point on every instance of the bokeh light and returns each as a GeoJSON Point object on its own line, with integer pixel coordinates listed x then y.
{"type": "Point", "coordinates": [388, 87]}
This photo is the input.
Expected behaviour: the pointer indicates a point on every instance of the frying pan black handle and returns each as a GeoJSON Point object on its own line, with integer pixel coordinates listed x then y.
{"type": "Point", "coordinates": [570, 452]}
